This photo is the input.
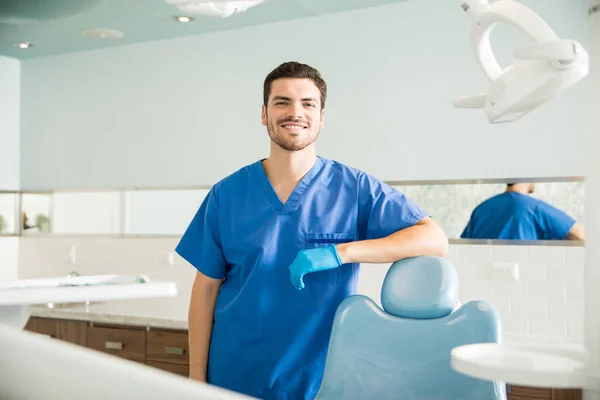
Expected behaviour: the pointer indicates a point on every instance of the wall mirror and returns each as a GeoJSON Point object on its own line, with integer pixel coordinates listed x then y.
{"type": "Point", "coordinates": [36, 210]}
{"type": "Point", "coordinates": [8, 213]}
{"type": "Point", "coordinates": [160, 212]}
{"type": "Point", "coordinates": [452, 204]}
{"type": "Point", "coordinates": [167, 212]}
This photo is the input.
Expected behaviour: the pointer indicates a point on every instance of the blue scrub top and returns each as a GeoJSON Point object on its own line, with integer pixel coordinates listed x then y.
{"type": "Point", "coordinates": [270, 340]}
{"type": "Point", "coordinates": [516, 216]}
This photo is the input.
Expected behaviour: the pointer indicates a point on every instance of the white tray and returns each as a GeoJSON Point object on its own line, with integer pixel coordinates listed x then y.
{"type": "Point", "coordinates": [526, 365]}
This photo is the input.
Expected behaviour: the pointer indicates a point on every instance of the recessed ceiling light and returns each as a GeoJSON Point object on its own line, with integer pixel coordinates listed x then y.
{"type": "Point", "coordinates": [23, 45]}
{"type": "Point", "coordinates": [103, 33]}
{"type": "Point", "coordinates": [184, 18]}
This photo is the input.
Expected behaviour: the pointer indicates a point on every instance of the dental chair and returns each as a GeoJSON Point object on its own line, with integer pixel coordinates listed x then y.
{"type": "Point", "coordinates": [402, 351]}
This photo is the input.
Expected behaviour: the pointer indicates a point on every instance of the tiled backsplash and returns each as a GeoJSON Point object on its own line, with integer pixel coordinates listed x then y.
{"type": "Point", "coordinates": [544, 306]}
{"type": "Point", "coordinates": [9, 252]}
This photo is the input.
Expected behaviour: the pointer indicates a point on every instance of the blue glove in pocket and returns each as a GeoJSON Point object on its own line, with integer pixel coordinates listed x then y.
{"type": "Point", "coordinates": [313, 260]}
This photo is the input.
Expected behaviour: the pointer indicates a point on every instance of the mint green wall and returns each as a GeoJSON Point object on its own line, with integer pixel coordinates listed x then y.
{"type": "Point", "coordinates": [187, 111]}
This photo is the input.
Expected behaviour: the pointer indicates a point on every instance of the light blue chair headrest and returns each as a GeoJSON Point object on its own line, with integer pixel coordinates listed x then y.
{"type": "Point", "coordinates": [420, 288]}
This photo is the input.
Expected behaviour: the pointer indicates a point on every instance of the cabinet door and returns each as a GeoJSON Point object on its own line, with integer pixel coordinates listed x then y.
{"type": "Point", "coordinates": [179, 369]}
{"type": "Point", "coordinates": [73, 332]}
{"type": "Point", "coordinates": [168, 347]}
{"type": "Point", "coordinates": [44, 326]}
{"type": "Point", "coordinates": [67, 330]}
{"type": "Point", "coordinates": [567, 394]}
{"type": "Point", "coordinates": [120, 342]}
{"type": "Point", "coordinates": [531, 393]}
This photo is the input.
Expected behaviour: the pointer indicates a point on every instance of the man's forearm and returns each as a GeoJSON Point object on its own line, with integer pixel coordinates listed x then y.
{"type": "Point", "coordinates": [425, 238]}
{"type": "Point", "coordinates": [200, 324]}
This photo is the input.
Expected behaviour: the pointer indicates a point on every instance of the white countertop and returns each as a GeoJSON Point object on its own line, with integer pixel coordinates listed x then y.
{"type": "Point", "coordinates": [153, 313]}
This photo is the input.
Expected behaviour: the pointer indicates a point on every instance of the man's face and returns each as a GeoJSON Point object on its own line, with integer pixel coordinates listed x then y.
{"type": "Point", "coordinates": [293, 115]}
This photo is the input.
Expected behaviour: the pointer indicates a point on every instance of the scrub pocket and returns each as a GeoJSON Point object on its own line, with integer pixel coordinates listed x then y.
{"type": "Point", "coordinates": [326, 281]}
{"type": "Point", "coordinates": [328, 239]}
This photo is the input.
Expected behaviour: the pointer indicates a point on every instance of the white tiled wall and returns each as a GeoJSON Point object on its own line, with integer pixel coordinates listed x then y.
{"type": "Point", "coordinates": [544, 306]}
{"type": "Point", "coordinates": [50, 257]}
{"type": "Point", "coordinates": [9, 250]}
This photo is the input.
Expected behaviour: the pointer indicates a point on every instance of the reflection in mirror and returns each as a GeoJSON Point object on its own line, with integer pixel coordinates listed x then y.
{"type": "Point", "coordinates": [452, 206]}
{"type": "Point", "coordinates": [8, 213]}
{"type": "Point", "coordinates": [35, 212]}
{"type": "Point", "coordinates": [161, 212]}
{"type": "Point", "coordinates": [86, 213]}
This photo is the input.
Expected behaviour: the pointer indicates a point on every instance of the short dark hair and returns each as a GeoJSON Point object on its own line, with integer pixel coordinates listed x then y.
{"type": "Point", "coordinates": [295, 70]}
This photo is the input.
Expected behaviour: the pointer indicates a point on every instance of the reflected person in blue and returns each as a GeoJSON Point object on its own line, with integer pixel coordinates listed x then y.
{"type": "Point", "coordinates": [277, 246]}
{"type": "Point", "coordinates": [515, 215]}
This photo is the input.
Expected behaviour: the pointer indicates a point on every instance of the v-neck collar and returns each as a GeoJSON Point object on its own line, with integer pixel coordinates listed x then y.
{"type": "Point", "coordinates": [294, 199]}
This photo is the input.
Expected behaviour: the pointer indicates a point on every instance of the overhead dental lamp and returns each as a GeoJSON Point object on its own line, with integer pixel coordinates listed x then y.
{"type": "Point", "coordinates": [539, 71]}
{"type": "Point", "coordinates": [224, 8]}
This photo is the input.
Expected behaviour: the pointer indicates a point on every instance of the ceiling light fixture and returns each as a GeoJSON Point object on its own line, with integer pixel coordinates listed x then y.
{"type": "Point", "coordinates": [23, 45]}
{"type": "Point", "coordinates": [103, 33]}
{"type": "Point", "coordinates": [184, 19]}
{"type": "Point", "coordinates": [213, 8]}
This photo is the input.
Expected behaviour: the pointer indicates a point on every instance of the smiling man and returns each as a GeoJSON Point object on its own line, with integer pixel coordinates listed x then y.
{"type": "Point", "coordinates": [277, 246]}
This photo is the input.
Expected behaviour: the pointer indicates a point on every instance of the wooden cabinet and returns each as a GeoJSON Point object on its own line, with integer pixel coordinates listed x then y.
{"type": "Point", "coordinates": [128, 343]}
{"type": "Point", "coordinates": [179, 369]}
{"type": "Point", "coordinates": [66, 330]}
{"type": "Point", "coordinates": [169, 347]}
{"type": "Point", "coordinates": [169, 351]}
{"type": "Point", "coordinates": [519, 393]}
{"type": "Point", "coordinates": [164, 349]}
{"type": "Point", "coordinates": [528, 393]}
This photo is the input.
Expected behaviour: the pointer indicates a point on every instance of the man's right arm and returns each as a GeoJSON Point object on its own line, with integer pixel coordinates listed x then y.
{"type": "Point", "coordinates": [576, 232]}
{"type": "Point", "coordinates": [557, 224]}
{"type": "Point", "coordinates": [200, 323]}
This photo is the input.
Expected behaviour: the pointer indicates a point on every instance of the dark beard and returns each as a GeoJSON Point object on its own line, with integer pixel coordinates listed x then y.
{"type": "Point", "coordinates": [288, 145]}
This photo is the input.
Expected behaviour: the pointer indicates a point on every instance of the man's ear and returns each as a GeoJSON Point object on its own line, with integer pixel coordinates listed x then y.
{"type": "Point", "coordinates": [263, 115]}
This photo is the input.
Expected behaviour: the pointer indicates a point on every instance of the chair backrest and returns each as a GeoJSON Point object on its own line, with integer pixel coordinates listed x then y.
{"type": "Point", "coordinates": [403, 350]}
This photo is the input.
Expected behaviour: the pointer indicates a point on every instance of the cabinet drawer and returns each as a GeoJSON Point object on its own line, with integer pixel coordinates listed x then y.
{"type": "Point", "coordinates": [512, 396]}
{"type": "Point", "coordinates": [44, 326]}
{"type": "Point", "coordinates": [125, 343]}
{"type": "Point", "coordinates": [179, 369]}
{"type": "Point", "coordinates": [67, 330]}
{"type": "Point", "coordinates": [532, 393]}
{"type": "Point", "coordinates": [567, 394]}
{"type": "Point", "coordinates": [167, 347]}
{"type": "Point", "coordinates": [73, 332]}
